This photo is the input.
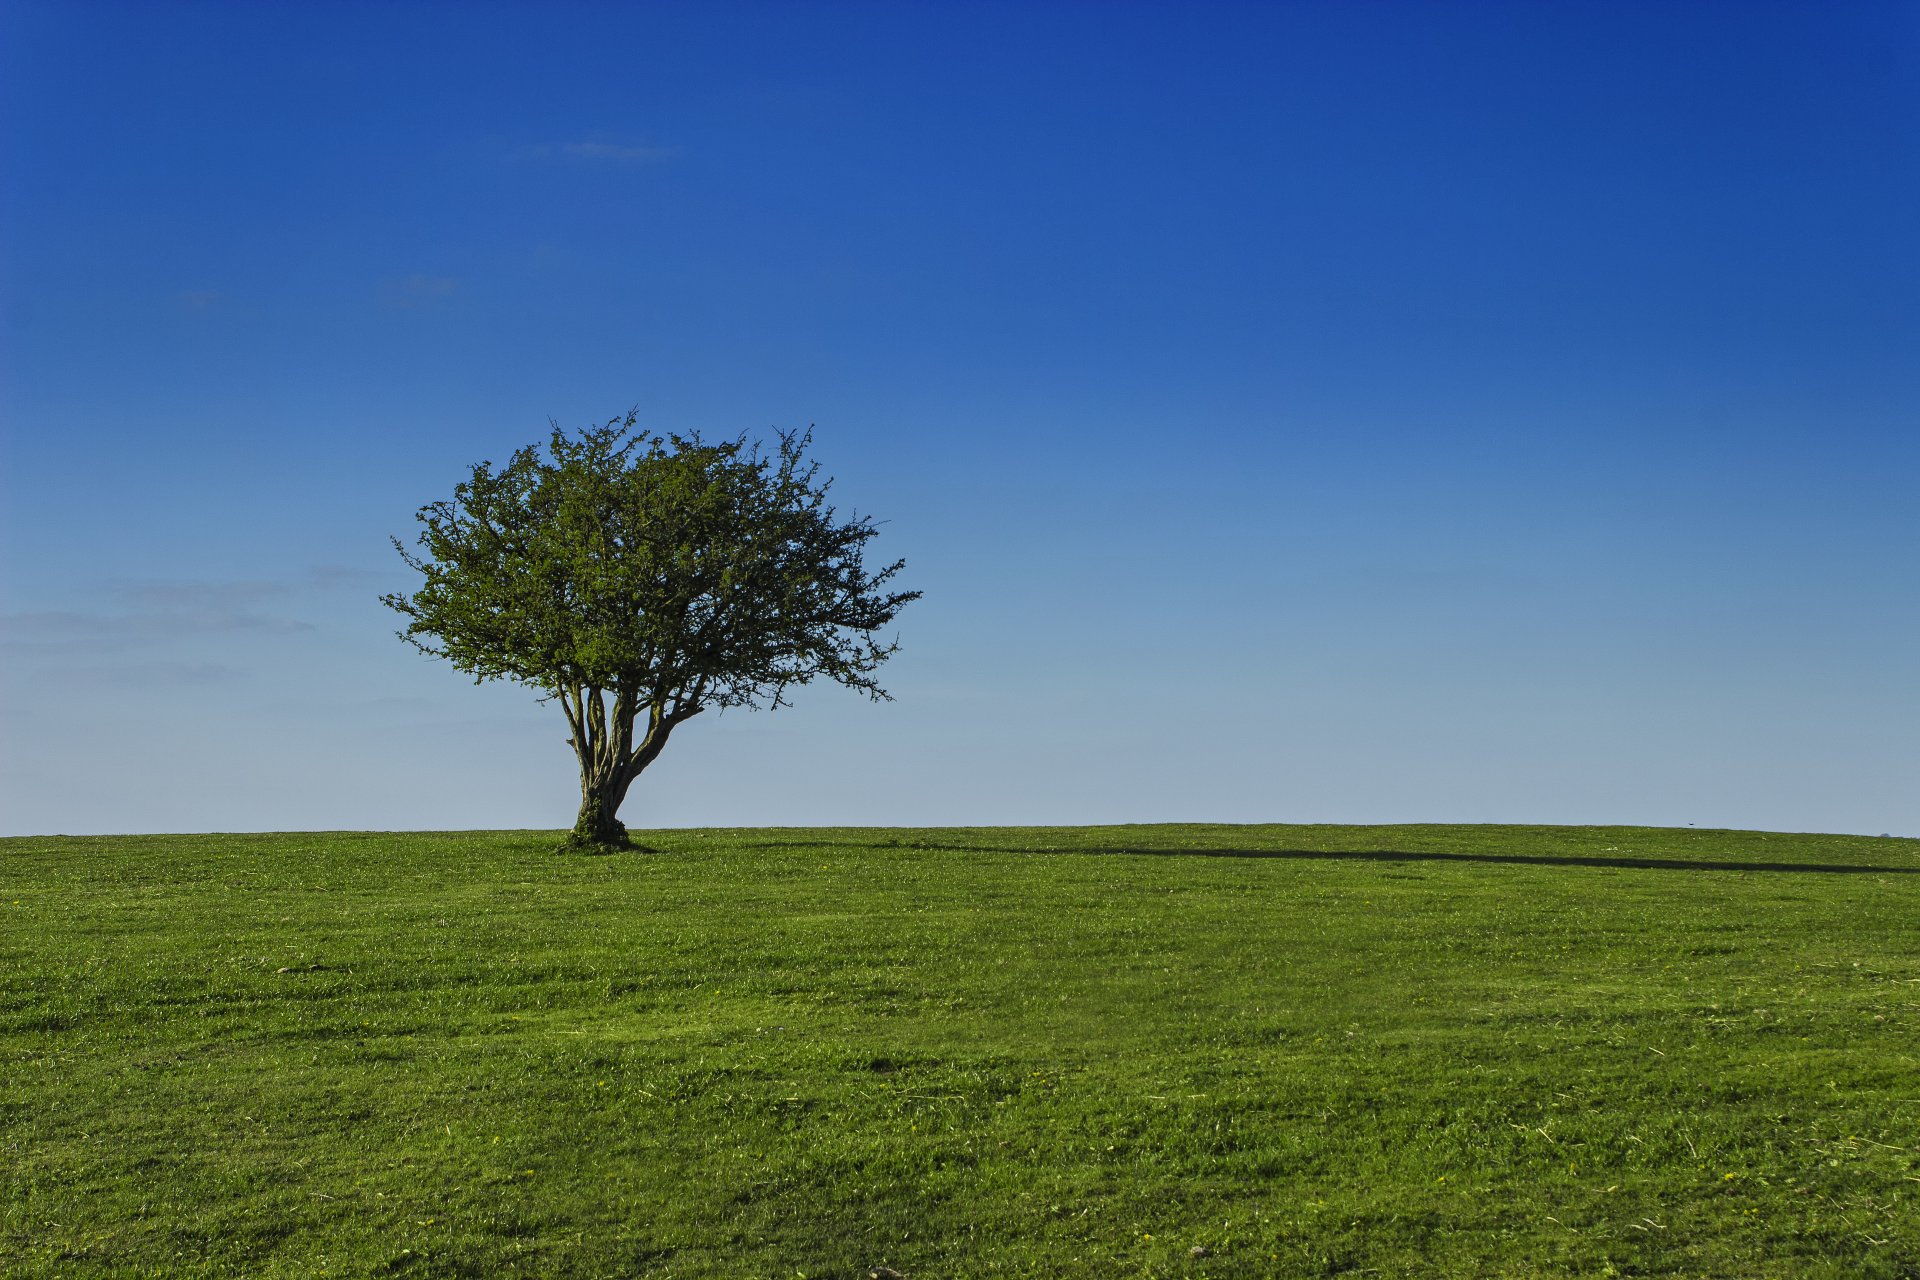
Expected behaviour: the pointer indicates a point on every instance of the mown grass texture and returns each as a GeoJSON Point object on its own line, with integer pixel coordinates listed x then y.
{"type": "Point", "coordinates": [1126, 1051]}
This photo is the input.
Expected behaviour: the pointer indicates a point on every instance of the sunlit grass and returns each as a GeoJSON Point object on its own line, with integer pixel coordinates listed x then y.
{"type": "Point", "coordinates": [1207, 1051]}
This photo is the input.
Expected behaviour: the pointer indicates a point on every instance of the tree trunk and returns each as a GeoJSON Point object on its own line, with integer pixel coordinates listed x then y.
{"type": "Point", "coordinates": [610, 759]}
{"type": "Point", "coordinates": [599, 825]}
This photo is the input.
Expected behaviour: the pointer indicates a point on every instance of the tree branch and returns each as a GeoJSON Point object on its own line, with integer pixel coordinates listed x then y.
{"type": "Point", "coordinates": [569, 699]}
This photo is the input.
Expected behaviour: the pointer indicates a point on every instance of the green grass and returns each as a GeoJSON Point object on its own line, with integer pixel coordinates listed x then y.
{"type": "Point", "coordinates": [1307, 1051]}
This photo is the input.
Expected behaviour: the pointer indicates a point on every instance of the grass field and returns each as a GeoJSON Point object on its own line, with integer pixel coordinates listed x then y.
{"type": "Point", "coordinates": [1126, 1051]}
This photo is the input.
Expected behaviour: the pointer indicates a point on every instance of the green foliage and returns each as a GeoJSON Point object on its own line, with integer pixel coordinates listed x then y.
{"type": "Point", "coordinates": [1307, 1051]}
{"type": "Point", "coordinates": [639, 580]}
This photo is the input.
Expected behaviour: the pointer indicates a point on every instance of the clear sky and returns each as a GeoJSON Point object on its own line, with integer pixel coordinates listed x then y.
{"type": "Point", "coordinates": [1292, 412]}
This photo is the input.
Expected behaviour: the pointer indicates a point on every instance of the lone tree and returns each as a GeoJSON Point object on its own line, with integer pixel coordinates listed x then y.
{"type": "Point", "coordinates": [638, 580]}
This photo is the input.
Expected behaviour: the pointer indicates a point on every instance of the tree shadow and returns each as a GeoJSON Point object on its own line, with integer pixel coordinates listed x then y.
{"type": "Point", "coordinates": [580, 849]}
{"type": "Point", "coordinates": [1406, 855]}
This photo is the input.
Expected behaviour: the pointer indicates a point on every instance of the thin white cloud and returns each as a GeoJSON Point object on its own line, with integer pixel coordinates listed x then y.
{"type": "Point", "coordinates": [419, 291]}
{"type": "Point", "coordinates": [340, 575]}
{"type": "Point", "coordinates": [57, 631]}
{"type": "Point", "coordinates": [193, 595]}
{"type": "Point", "coordinates": [618, 153]}
{"type": "Point", "coordinates": [143, 611]}
{"type": "Point", "coordinates": [139, 612]}
{"type": "Point", "coordinates": [148, 675]}
{"type": "Point", "coordinates": [52, 627]}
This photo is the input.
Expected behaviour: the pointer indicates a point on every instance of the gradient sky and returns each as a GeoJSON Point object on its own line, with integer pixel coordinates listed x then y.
{"type": "Point", "coordinates": [1293, 412]}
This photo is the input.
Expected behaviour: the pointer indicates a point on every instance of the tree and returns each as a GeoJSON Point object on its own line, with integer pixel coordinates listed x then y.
{"type": "Point", "coordinates": [638, 580]}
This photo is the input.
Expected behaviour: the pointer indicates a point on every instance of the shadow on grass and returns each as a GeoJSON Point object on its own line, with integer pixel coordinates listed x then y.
{"type": "Point", "coordinates": [1403, 855]}
{"type": "Point", "coordinates": [570, 849]}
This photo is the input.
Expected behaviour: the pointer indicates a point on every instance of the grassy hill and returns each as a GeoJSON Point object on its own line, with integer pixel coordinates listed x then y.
{"type": "Point", "coordinates": [1125, 1051]}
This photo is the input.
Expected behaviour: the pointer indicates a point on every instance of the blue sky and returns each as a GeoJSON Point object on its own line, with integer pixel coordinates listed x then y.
{"type": "Point", "coordinates": [1292, 412]}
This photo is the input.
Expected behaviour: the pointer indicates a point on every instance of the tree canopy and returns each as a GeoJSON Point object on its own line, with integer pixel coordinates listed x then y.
{"type": "Point", "coordinates": [640, 579]}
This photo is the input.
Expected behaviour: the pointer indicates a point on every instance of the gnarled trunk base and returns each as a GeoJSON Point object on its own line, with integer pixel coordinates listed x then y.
{"type": "Point", "coordinates": [598, 827]}
{"type": "Point", "coordinates": [591, 836]}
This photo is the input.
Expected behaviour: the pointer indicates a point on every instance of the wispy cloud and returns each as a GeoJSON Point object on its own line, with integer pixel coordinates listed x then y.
{"type": "Point", "coordinates": [57, 630]}
{"type": "Point", "coordinates": [54, 626]}
{"type": "Point", "coordinates": [139, 612]}
{"type": "Point", "coordinates": [193, 595]}
{"type": "Point", "coordinates": [148, 675]}
{"type": "Point", "coordinates": [600, 153]}
{"type": "Point", "coordinates": [164, 608]}
{"type": "Point", "coordinates": [616, 153]}
{"type": "Point", "coordinates": [418, 291]}
{"type": "Point", "coordinates": [340, 575]}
